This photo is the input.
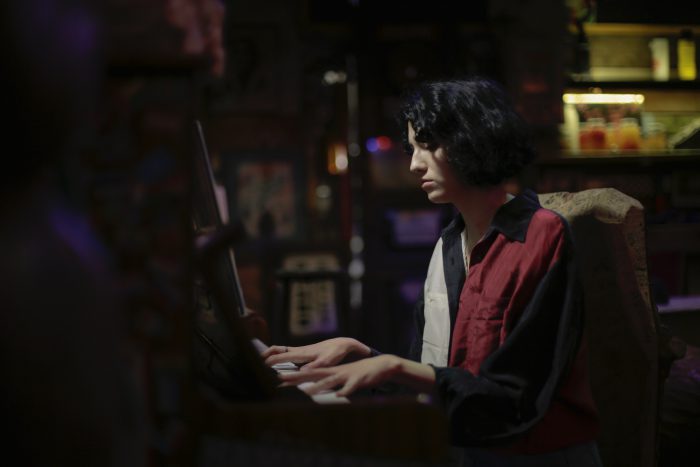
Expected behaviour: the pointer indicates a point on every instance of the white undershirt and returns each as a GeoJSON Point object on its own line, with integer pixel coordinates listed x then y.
{"type": "Point", "coordinates": [436, 311]}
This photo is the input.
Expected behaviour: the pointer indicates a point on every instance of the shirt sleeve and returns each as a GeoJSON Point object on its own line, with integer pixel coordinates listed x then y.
{"type": "Point", "coordinates": [516, 382]}
{"type": "Point", "coordinates": [414, 353]}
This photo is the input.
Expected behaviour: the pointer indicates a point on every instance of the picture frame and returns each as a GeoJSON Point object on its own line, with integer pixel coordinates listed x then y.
{"type": "Point", "coordinates": [253, 72]}
{"type": "Point", "coordinates": [265, 193]}
{"type": "Point", "coordinates": [414, 228]}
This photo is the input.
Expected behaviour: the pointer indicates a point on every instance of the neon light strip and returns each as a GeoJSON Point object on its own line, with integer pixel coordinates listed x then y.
{"type": "Point", "coordinates": [603, 98]}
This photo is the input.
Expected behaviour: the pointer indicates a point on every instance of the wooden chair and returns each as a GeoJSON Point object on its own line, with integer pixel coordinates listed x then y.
{"type": "Point", "coordinates": [621, 320]}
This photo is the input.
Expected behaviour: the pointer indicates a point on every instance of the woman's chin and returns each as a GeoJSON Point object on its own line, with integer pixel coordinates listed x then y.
{"type": "Point", "coordinates": [437, 198]}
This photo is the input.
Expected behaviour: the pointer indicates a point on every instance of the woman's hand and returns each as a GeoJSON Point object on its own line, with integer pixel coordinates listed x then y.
{"type": "Point", "coordinates": [322, 354]}
{"type": "Point", "coordinates": [349, 378]}
{"type": "Point", "coordinates": [366, 373]}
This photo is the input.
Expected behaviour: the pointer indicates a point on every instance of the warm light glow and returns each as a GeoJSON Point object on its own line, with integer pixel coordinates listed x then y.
{"type": "Point", "coordinates": [603, 98]}
{"type": "Point", "coordinates": [341, 162]}
{"type": "Point", "coordinates": [334, 77]}
{"type": "Point", "coordinates": [337, 159]}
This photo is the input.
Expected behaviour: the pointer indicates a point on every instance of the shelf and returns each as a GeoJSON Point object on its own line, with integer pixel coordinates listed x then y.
{"type": "Point", "coordinates": [601, 157]}
{"type": "Point", "coordinates": [637, 29]}
{"type": "Point", "coordinates": [671, 85]}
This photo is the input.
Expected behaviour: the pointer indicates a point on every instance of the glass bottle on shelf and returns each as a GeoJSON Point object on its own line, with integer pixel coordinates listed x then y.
{"type": "Point", "coordinates": [592, 136]}
{"type": "Point", "coordinates": [613, 136]}
{"type": "Point", "coordinates": [686, 55]}
{"type": "Point", "coordinates": [655, 138]}
{"type": "Point", "coordinates": [660, 70]}
{"type": "Point", "coordinates": [630, 135]}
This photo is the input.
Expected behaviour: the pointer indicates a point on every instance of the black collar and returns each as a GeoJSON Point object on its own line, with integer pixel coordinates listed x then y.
{"type": "Point", "coordinates": [512, 219]}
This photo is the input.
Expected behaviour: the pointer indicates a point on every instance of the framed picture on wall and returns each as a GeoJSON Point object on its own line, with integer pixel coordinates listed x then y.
{"type": "Point", "coordinates": [261, 73]}
{"type": "Point", "coordinates": [414, 228]}
{"type": "Point", "coordinates": [265, 192]}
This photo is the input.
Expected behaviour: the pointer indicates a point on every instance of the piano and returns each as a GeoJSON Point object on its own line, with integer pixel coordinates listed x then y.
{"type": "Point", "coordinates": [241, 416]}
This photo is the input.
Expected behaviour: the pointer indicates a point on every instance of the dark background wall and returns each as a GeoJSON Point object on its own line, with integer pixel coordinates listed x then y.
{"type": "Point", "coordinates": [273, 104]}
{"type": "Point", "coordinates": [282, 88]}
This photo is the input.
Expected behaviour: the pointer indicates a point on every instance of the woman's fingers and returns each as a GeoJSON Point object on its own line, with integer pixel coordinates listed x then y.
{"type": "Point", "coordinates": [292, 355]}
{"type": "Point", "coordinates": [325, 384]}
{"type": "Point", "coordinates": [346, 379]}
{"type": "Point", "coordinates": [322, 379]}
{"type": "Point", "coordinates": [321, 354]}
{"type": "Point", "coordinates": [277, 358]}
{"type": "Point", "coordinates": [298, 377]}
{"type": "Point", "coordinates": [298, 356]}
{"type": "Point", "coordinates": [273, 350]}
{"type": "Point", "coordinates": [351, 385]}
{"type": "Point", "coordinates": [318, 363]}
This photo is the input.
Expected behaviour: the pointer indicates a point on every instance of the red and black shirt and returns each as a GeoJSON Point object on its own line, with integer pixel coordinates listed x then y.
{"type": "Point", "coordinates": [517, 375]}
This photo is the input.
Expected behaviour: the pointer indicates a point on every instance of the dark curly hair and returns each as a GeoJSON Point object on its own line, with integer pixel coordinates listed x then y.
{"type": "Point", "coordinates": [484, 138]}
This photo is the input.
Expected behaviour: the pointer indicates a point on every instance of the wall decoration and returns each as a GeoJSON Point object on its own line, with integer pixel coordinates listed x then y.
{"type": "Point", "coordinates": [266, 194]}
{"type": "Point", "coordinates": [252, 80]}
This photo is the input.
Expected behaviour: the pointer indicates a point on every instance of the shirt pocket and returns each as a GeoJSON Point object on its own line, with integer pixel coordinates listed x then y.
{"type": "Point", "coordinates": [485, 332]}
{"type": "Point", "coordinates": [436, 312]}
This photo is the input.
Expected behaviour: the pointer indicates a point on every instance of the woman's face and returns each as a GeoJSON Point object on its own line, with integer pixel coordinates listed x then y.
{"type": "Point", "coordinates": [437, 178]}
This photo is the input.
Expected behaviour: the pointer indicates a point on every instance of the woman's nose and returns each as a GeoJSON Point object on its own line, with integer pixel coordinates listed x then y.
{"type": "Point", "coordinates": [417, 165]}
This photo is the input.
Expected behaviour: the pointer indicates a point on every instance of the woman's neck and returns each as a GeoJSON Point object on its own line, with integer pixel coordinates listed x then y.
{"type": "Point", "coordinates": [477, 208]}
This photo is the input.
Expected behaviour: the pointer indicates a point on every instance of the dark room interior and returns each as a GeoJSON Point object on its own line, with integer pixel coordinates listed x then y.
{"type": "Point", "coordinates": [190, 182]}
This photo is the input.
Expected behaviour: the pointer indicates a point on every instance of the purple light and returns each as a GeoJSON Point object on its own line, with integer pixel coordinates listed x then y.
{"type": "Point", "coordinates": [372, 145]}
{"type": "Point", "coordinates": [379, 143]}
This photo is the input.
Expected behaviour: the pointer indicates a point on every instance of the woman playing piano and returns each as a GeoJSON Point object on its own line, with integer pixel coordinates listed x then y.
{"type": "Point", "coordinates": [499, 324]}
